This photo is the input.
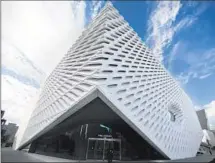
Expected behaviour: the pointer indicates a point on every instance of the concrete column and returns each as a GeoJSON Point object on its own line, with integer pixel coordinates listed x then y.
{"type": "Point", "coordinates": [33, 147]}
{"type": "Point", "coordinates": [57, 144]}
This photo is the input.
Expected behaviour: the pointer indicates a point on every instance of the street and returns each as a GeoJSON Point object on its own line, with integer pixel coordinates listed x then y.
{"type": "Point", "coordinates": [10, 155]}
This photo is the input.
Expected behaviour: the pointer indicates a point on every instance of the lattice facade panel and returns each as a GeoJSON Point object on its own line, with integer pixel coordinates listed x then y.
{"type": "Point", "coordinates": [109, 56]}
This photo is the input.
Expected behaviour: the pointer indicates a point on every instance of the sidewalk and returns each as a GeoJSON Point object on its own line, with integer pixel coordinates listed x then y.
{"type": "Point", "coordinates": [43, 158]}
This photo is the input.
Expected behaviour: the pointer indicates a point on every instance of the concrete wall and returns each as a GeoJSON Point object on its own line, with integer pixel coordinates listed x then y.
{"type": "Point", "coordinates": [202, 119]}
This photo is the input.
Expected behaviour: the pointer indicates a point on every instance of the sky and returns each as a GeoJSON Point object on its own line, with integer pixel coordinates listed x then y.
{"type": "Point", "coordinates": [37, 34]}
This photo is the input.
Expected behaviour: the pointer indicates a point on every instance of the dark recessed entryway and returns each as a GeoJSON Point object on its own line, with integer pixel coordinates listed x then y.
{"type": "Point", "coordinates": [90, 132]}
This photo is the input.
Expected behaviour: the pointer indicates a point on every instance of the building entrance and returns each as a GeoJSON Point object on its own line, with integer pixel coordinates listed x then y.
{"type": "Point", "coordinates": [97, 148]}
{"type": "Point", "coordinates": [91, 141]}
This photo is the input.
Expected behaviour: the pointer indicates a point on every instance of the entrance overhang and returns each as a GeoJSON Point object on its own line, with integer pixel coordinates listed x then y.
{"type": "Point", "coordinates": [96, 93]}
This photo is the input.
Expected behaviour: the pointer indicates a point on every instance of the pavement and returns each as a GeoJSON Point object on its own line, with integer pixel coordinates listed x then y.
{"type": "Point", "coordinates": [10, 155]}
{"type": "Point", "coordinates": [202, 159]}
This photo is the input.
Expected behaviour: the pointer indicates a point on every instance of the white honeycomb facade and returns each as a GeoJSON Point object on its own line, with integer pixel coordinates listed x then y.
{"type": "Point", "coordinates": [110, 57]}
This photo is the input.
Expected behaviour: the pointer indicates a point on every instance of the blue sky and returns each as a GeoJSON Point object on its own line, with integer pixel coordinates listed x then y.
{"type": "Point", "coordinates": [193, 60]}
{"type": "Point", "coordinates": [38, 34]}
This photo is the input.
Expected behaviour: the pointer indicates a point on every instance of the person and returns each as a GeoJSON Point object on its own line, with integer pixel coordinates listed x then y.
{"type": "Point", "coordinates": [110, 155]}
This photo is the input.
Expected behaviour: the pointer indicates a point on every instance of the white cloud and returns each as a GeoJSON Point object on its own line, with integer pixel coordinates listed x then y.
{"type": "Point", "coordinates": [184, 79]}
{"type": "Point", "coordinates": [205, 76]}
{"type": "Point", "coordinates": [202, 7]}
{"type": "Point", "coordinates": [196, 107]}
{"type": "Point", "coordinates": [201, 65]}
{"type": "Point", "coordinates": [44, 31]}
{"type": "Point", "coordinates": [173, 53]}
{"type": "Point", "coordinates": [160, 26]}
{"type": "Point", "coordinates": [96, 6]}
{"type": "Point", "coordinates": [14, 60]}
{"type": "Point", "coordinates": [15, 99]}
{"type": "Point", "coordinates": [184, 23]}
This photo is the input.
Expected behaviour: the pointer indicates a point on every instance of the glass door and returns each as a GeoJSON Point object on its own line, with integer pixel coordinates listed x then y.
{"type": "Point", "coordinates": [90, 149]}
{"type": "Point", "coordinates": [116, 150]}
{"type": "Point", "coordinates": [115, 146]}
{"type": "Point", "coordinates": [98, 151]}
{"type": "Point", "coordinates": [97, 148]}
